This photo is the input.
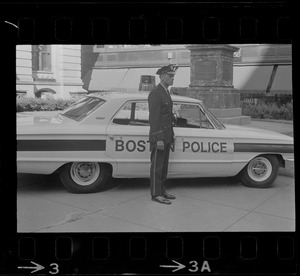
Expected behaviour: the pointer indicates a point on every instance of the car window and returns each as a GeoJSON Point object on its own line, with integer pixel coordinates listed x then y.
{"type": "Point", "coordinates": [204, 121]}
{"type": "Point", "coordinates": [133, 113]}
{"type": "Point", "coordinates": [191, 116]}
{"type": "Point", "coordinates": [82, 108]}
{"type": "Point", "coordinates": [216, 122]}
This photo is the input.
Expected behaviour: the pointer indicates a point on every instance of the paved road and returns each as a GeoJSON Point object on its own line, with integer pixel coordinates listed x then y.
{"type": "Point", "coordinates": [43, 205]}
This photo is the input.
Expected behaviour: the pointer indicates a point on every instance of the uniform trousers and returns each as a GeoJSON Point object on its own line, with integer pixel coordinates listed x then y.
{"type": "Point", "coordinates": [159, 169]}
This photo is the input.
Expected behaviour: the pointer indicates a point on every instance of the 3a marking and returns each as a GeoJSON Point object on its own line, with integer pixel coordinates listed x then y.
{"type": "Point", "coordinates": [55, 268]}
{"type": "Point", "coordinates": [194, 265]}
{"type": "Point", "coordinates": [195, 268]}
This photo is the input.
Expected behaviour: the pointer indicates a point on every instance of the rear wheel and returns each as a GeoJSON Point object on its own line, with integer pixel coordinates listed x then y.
{"type": "Point", "coordinates": [260, 172]}
{"type": "Point", "coordinates": [85, 177]}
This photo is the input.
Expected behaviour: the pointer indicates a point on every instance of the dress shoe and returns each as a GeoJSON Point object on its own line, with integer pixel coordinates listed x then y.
{"type": "Point", "coordinates": [168, 196]}
{"type": "Point", "coordinates": [161, 199]}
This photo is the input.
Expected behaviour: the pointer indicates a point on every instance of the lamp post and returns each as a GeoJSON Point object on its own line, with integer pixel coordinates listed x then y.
{"type": "Point", "coordinates": [170, 56]}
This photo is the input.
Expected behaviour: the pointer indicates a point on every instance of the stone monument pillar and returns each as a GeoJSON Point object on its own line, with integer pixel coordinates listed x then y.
{"type": "Point", "coordinates": [211, 81]}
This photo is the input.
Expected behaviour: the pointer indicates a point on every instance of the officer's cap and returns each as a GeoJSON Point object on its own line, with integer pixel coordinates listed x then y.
{"type": "Point", "coordinates": [170, 69]}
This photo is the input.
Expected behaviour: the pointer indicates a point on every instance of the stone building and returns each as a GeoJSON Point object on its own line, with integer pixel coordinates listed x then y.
{"type": "Point", "coordinates": [64, 70]}
{"type": "Point", "coordinates": [48, 70]}
{"type": "Point", "coordinates": [258, 68]}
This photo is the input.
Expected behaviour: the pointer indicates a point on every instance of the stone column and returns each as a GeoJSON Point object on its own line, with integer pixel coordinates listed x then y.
{"type": "Point", "coordinates": [24, 80]}
{"type": "Point", "coordinates": [212, 81]}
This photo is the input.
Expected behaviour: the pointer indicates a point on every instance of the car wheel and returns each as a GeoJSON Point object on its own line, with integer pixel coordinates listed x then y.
{"type": "Point", "coordinates": [260, 172]}
{"type": "Point", "coordinates": [85, 177]}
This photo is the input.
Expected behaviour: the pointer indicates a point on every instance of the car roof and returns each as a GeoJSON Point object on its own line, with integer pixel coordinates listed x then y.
{"type": "Point", "coordinates": [107, 96]}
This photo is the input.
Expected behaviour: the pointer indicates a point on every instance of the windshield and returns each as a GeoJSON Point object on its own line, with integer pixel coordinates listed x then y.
{"type": "Point", "coordinates": [212, 117]}
{"type": "Point", "coordinates": [82, 108]}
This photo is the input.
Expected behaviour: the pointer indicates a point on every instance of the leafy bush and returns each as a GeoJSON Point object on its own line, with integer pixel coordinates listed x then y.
{"type": "Point", "coordinates": [37, 104]}
{"type": "Point", "coordinates": [268, 111]}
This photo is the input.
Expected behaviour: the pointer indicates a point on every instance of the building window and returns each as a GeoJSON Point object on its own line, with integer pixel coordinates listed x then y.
{"type": "Point", "coordinates": [41, 58]}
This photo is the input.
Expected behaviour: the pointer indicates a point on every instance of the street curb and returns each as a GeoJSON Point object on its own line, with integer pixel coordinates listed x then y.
{"type": "Point", "coordinates": [273, 121]}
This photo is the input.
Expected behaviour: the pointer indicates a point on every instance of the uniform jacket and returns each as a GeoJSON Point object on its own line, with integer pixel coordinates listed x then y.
{"type": "Point", "coordinates": [160, 115]}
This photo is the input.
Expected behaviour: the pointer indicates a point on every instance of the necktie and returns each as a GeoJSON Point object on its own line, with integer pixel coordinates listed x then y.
{"type": "Point", "coordinates": [169, 95]}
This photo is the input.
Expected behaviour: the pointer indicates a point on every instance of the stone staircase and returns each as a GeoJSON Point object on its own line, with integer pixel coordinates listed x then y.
{"type": "Point", "coordinates": [231, 116]}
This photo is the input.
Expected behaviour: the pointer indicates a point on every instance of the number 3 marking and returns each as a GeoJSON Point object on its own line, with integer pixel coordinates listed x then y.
{"type": "Point", "coordinates": [55, 268]}
{"type": "Point", "coordinates": [195, 265]}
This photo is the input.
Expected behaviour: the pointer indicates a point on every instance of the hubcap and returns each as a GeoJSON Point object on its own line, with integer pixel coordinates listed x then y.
{"type": "Point", "coordinates": [259, 169]}
{"type": "Point", "coordinates": [84, 174]}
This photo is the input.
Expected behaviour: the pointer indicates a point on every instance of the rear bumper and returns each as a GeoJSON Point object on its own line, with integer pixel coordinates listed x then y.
{"type": "Point", "coordinates": [288, 169]}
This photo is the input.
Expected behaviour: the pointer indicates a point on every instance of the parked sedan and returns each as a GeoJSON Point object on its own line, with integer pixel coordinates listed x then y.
{"type": "Point", "coordinates": [101, 137]}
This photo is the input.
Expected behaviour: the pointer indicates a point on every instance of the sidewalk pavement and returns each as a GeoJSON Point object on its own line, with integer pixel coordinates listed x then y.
{"type": "Point", "coordinates": [284, 127]}
{"type": "Point", "coordinates": [201, 205]}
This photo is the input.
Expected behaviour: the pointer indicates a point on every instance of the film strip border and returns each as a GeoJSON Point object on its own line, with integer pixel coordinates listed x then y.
{"type": "Point", "coordinates": [138, 253]}
{"type": "Point", "coordinates": [215, 22]}
{"type": "Point", "coordinates": [164, 253]}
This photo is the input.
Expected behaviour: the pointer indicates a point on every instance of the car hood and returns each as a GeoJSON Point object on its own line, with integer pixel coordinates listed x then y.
{"type": "Point", "coordinates": [252, 134]}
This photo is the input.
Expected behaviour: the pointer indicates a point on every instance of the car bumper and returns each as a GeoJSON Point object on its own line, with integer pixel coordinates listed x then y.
{"type": "Point", "coordinates": [288, 169]}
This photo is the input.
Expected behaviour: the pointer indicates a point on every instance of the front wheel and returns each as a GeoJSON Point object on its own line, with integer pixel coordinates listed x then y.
{"type": "Point", "coordinates": [260, 172]}
{"type": "Point", "coordinates": [85, 177]}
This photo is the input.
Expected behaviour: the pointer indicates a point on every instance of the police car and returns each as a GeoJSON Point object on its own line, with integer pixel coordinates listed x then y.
{"type": "Point", "coordinates": [105, 136]}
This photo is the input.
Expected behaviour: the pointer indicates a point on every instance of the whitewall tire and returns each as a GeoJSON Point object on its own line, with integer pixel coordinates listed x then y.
{"type": "Point", "coordinates": [260, 172]}
{"type": "Point", "coordinates": [85, 177]}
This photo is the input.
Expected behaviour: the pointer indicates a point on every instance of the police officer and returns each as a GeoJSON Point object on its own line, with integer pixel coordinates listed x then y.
{"type": "Point", "coordinates": [161, 135]}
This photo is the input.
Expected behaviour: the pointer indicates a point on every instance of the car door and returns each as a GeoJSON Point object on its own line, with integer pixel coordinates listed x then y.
{"type": "Point", "coordinates": [127, 140]}
{"type": "Point", "coordinates": [200, 148]}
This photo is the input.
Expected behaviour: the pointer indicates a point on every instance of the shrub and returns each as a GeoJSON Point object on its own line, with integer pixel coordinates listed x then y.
{"type": "Point", "coordinates": [37, 104]}
{"type": "Point", "coordinates": [268, 111]}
